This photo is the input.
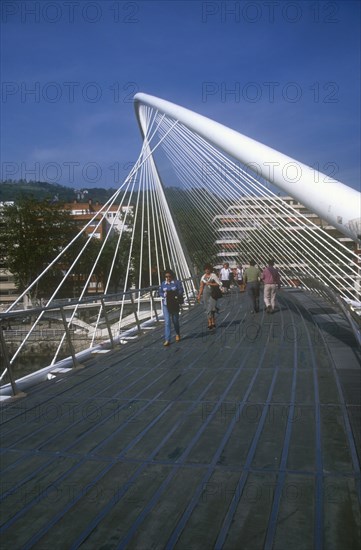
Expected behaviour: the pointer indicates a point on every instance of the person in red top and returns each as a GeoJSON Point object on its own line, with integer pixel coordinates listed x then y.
{"type": "Point", "coordinates": [272, 282]}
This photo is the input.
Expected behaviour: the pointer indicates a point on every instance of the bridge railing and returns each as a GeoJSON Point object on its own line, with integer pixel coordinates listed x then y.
{"type": "Point", "coordinates": [36, 342]}
{"type": "Point", "coordinates": [60, 334]}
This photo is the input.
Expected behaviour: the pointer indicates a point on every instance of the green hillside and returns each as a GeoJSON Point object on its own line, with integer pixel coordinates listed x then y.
{"type": "Point", "coordinates": [41, 190]}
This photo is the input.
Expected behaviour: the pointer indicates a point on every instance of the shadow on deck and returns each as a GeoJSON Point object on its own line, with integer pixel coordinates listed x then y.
{"type": "Point", "coordinates": [243, 438]}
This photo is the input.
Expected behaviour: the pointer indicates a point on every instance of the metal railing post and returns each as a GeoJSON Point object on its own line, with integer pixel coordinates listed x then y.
{"type": "Point", "coordinates": [107, 323]}
{"type": "Point", "coordinates": [135, 312]}
{"type": "Point", "coordinates": [68, 337]}
{"type": "Point", "coordinates": [8, 367]}
{"type": "Point", "coordinates": [153, 306]}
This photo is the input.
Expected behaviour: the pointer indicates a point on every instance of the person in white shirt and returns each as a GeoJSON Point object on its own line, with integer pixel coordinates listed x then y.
{"type": "Point", "coordinates": [225, 276]}
{"type": "Point", "coordinates": [209, 281]}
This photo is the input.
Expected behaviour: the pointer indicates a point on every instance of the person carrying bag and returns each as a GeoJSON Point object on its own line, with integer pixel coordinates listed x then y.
{"type": "Point", "coordinates": [210, 284]}
{"type": "Point", "coordinates": [171, 290]}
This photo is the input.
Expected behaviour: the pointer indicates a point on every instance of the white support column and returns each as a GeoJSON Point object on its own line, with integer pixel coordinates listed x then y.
{"type": "Point", "coordinates": [330, 199]}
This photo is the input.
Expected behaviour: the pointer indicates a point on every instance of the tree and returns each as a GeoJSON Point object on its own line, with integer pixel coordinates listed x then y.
{"type": "Point", "coordinates": [32, 234]}
{"type": "Point", "coordinates": [119, 268]}
{"type": "Point", "coordinates": [196, 227]}
{"type": "Point", "coordinates": [111, 260]}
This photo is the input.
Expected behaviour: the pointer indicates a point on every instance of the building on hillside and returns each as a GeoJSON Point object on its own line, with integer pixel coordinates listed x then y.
{"type": "Point", "coordinates": [244, 230]}
{"type": "Point", "coordinates": [98, 221]}
{"type": "Point", "coordinates": [8, 290]}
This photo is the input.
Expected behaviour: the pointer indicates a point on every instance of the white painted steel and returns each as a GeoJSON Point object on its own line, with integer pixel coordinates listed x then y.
{"type": "Point", "coordinates": [330, 199]}
{"type": "Point", "coordinates": [189, 153]}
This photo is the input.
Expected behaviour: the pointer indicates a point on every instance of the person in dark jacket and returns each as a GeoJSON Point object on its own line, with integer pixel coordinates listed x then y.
{"type": "Point", "coordinates": [171, 290]}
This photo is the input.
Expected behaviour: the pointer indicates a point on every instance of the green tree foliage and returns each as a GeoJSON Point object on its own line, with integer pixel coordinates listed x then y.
{"type": "Point", "coordinates": [32, 234]}
{"type": "Point", "coordinates": [103, 260]}
{"type": "Point", "coordinates": [119, 267]}
{"type": "Point", "coordinates": [194, 224]}
{"type": "Point", "coordinates": [41, 190]}
{"type": "Point", "coordinates": [143, 254]}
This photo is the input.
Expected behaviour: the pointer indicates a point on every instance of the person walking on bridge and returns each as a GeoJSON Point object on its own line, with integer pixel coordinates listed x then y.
{"type": "Point", "coordinates": [171, 290]}
{"type": "Point", "coordinates": [225, 275]}
{"type": "Point", "coordinates": [209, 284]}
{"type": "Point", "coordinates": [239, 277]}
{"type": "Point", "coordinates": [272, 282]}
{"type": "Point", "coordinates": [251, 278]}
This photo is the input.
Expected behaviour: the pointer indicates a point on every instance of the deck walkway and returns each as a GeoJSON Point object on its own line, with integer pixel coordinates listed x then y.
{"type": "Point", "coordinates": [246, 438]}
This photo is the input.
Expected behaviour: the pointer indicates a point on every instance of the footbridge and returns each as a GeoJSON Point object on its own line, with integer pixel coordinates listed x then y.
{"type": "Point", "coordinates": [246, 436]}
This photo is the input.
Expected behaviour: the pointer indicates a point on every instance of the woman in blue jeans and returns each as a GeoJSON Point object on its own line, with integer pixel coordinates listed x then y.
{"type": "Point", "coordinates": [171, 290]}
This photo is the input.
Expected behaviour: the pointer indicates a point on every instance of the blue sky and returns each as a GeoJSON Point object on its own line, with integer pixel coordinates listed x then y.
{"type": "Point", "coordinates": [285, 73]}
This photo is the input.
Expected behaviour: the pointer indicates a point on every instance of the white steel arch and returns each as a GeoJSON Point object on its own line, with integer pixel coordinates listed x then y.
{"type": "Point", "coordinates": [330, 199]}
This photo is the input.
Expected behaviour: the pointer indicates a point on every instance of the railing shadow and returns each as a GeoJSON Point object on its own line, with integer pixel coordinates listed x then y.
{"type": "Point", "coordinates": [335, 305]}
